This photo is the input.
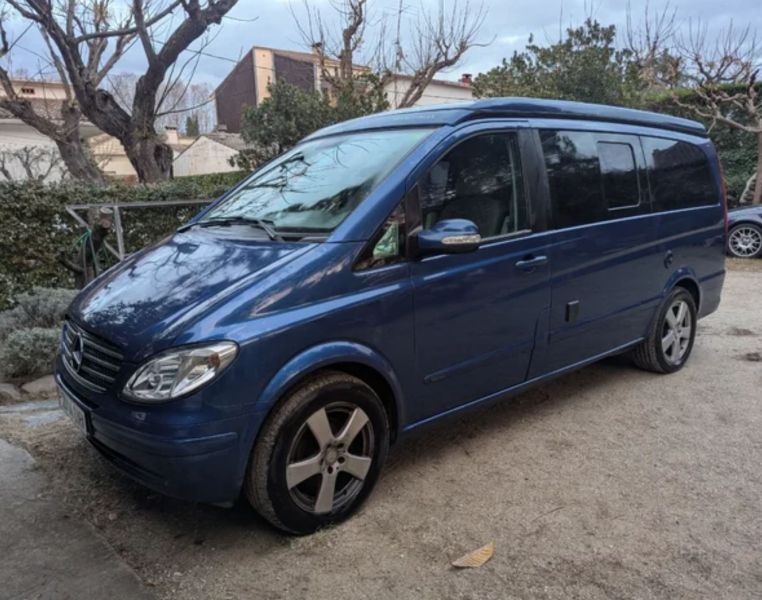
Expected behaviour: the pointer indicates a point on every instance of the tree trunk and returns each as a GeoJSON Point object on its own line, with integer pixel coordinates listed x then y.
{"type": "Point", "coordinates": [78, 160]}
{"type": "Point", "coordinates": [150, 157]}
{"type": "Point", "coordinates": [75, 154]}
{"type": "Point", "coordinates": [758, 185]}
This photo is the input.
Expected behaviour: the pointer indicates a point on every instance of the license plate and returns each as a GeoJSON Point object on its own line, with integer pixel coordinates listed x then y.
{"type": "Point", "coordinates": [71, 408]}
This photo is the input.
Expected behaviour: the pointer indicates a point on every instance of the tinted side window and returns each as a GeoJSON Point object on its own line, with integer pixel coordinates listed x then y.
{"type": "Point", "coordinates": [679, 174]}
{"type": "Point", "coordinates": [574, 177]}
{"type": "Point", "coordinates": [480, 180]}
{"type": "Point", "coordinates": [619, 175]}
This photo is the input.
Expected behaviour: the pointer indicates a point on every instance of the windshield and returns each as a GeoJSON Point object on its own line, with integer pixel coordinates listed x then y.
{"type": "Point", "coordinates": [317, 184]}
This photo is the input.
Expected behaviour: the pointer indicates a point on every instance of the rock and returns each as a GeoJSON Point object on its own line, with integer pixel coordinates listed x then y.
{"type": "Point", "coordinates": [43, 387]}
{"type": "Point", "coordinates": [9, 393]}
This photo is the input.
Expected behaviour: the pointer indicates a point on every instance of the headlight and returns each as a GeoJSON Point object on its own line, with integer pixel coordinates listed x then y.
{"type": "Point", "coordinates": [178, 372]}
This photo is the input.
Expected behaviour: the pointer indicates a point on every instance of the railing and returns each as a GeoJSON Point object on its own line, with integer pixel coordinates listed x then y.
{"type": "Point", "coordinates": [117, 208]}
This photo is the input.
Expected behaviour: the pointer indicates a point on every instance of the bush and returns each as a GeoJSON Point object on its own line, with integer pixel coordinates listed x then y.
{"type": "Point", "coordinates": [29, 352]}
{"type": "Point", "coordinates": [42, 307]}
{"type": "Point", "coordinates": [35, 228]}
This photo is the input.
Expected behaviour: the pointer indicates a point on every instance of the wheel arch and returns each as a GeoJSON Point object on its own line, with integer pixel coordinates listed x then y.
{"type": "Point", "coordinates": [745, 221]}
{"type": "Point", "coordinates": [686, 279]}
{"type": "Point", "coordinates": [348, 357]}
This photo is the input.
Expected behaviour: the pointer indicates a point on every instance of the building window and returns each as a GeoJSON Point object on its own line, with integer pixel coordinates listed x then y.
{"type": "Point", "coordinates": [27, 90]}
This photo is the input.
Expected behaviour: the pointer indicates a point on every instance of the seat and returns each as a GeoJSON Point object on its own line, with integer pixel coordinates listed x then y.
{"type": "Point", "coordinates": [479, 197]}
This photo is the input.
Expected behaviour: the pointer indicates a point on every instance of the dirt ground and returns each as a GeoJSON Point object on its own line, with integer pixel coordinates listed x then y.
{"type": "Point", "coordinates": [608, 483]}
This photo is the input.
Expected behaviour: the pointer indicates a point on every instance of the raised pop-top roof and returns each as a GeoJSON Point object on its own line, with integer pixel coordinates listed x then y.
{"type": "Point", "coordinates": [526, 108]}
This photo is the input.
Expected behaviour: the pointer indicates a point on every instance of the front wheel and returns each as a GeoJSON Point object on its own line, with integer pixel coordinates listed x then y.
{"type": "Point", "coordinates": [745, 241]}
{"type": "Point", "coordinates": [319, 454]}
{"type": "Point", "coordinates": [670, 338]}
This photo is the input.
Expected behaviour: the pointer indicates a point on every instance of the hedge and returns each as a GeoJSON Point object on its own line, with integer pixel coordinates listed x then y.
{"type": "Point", "coordinates": [35, 228]}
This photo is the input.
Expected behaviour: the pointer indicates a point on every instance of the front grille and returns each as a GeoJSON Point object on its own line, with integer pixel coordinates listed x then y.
{"type": "Point", "coordinates": [90, 361]}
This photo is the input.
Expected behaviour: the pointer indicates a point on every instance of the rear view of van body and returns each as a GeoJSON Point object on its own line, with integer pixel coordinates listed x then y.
{"type": "Point", "coordinates": [382, 274]}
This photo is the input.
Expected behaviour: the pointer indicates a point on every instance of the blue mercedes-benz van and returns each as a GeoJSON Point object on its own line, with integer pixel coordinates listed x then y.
{"type": "Point", "coordinates": [385, 272]}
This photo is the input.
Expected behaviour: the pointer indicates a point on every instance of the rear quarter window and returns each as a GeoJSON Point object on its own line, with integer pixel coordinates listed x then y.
{"type": "Point", "coordinates": [679, 174]}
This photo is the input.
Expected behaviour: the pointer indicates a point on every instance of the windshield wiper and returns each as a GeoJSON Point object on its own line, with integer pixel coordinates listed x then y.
{"type": "Point", "coordinates": [263, 224]}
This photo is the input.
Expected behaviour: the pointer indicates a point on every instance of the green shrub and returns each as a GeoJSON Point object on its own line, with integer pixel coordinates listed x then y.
{"type": "Point", "coordinates": [35, 228]}
{"type": "Point", "coordinates": [29, 352]}
{"type": "Point", "coordinates": [42, 307]}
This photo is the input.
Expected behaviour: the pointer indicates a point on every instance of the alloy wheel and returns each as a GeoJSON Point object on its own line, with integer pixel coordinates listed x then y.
{"type": "Point", "coordinates": [745, 241]}
{"type": "Point", "coordinates": [676, 331]}
{"type": "Point", "coordinates": [329, 458]}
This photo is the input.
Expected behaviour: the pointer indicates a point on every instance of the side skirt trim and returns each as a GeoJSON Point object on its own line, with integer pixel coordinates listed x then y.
{"type": "Point", "coordinates": [502, 394]}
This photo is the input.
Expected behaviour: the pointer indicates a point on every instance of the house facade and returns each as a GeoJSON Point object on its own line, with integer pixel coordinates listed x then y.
{"type": "Point", "coordinates": [47, 98]}
{"type": "Point", "coordinates": [439, 91]}
{"type": "Point", "coordinates": [209, 153]}
{"type": "Point", "coordinates": [247, 84]}
{"type": "Point", "coordinates": [16, 136]}
{"type": "Point", "coordinates": [111, 158]}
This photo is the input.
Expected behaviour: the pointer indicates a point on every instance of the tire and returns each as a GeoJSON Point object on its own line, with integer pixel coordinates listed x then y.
{"type": "Point", "coordinates": [295, 459]}
{"type": "Point", "coordinates": [745, 241]}
{"type": "Point", "coordinates": [656, 353]}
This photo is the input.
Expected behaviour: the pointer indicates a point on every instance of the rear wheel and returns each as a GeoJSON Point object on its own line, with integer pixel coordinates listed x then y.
{"type": "Point", "coordinates": [745, 241]}
{"type": "Point", "coordinates": [670, 338]}
{"type": "Point", "coordinates": [319, 454]}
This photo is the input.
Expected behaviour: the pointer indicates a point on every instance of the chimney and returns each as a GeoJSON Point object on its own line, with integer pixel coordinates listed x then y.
{"type": "Point", "coordinates": [466, 79]}
{"type": "Point", "coordinates": [170, 134]}
{"type": "Point", "coordinates": [317, 48]}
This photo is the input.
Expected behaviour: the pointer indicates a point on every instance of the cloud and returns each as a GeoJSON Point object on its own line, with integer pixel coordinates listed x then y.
{"type": "Point", "coordinates": [507, 26]}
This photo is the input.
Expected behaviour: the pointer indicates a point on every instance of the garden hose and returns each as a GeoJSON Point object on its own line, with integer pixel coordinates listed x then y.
{"type": "Point", "coordinates": [87, 239]}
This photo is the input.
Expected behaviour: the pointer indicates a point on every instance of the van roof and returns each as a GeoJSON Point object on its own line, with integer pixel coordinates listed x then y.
{"type": "Point", "coordinates": [526, 108]}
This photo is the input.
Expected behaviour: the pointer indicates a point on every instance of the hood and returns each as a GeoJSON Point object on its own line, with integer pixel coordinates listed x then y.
{"type": "Point", "coordinates": [137, 304]}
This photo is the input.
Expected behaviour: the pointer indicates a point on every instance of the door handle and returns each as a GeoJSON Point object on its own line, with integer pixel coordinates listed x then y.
{"type": "Point", "coordinates": [530, 262]}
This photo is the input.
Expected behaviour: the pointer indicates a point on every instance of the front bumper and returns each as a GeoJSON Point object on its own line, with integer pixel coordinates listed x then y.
{"type": "Point", "coordinates": [202, 464]}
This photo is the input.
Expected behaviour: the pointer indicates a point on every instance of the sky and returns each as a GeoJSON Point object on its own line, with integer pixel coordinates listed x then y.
{"type": "Point", "coordinates": [507, 26]}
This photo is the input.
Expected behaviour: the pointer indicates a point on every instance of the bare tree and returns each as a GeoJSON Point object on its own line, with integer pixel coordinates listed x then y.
{"type": "Point", "coordinates": [182, 100]}
{"type": "Point", "coordinates": [59, 121]}
{"type": "Point", "coordinates": [650, 41]}
{"type": "Point", "coordinates": [122, 87]}
{"type": "Point", "coordinates": [201, 105]}
{"type": "Point", "coordinates": [438, 42]}
{"type": "Point", "coordinates": [37, 163]}
{"type": "Point", "coordinates": [724, 75]}
{"type": "Point", "coordinates": [81, 34]}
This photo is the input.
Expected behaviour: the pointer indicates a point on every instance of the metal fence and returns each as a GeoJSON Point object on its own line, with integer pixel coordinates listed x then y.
{"type": "Point", "coordinates": [117, 208]}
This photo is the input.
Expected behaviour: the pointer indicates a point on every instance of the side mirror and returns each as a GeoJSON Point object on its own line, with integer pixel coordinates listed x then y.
{"type": "Point", "coordinates": [451, 236]}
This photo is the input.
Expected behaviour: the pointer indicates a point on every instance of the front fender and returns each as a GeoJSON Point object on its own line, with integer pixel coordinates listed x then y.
{"type": "Point", "coordinates": [323, 356]}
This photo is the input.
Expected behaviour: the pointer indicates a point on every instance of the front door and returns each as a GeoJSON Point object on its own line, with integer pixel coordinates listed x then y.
{"type": "Point", "coordinates": [476, 314]}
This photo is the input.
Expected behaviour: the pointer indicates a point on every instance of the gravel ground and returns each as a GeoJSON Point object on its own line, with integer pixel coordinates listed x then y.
{"type": "Point", "coordinates": [607, 483]}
